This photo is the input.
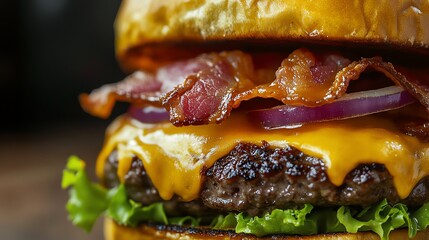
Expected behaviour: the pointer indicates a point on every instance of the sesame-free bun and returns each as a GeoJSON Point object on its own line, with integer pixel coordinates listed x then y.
{"type": "Point", "coordinates": [113, 231]}
{"type": "Point", "coordinates": [148, 24]}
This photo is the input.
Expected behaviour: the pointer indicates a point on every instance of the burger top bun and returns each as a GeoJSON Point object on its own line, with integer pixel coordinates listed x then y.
{"type": "Point", "coordinates": [113, 231]}
{"type": "Point", "coordinates": [148, 23]}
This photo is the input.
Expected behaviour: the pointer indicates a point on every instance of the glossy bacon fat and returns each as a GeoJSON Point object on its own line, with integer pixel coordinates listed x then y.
{"type": "Point", "coordinates": [205, 89]}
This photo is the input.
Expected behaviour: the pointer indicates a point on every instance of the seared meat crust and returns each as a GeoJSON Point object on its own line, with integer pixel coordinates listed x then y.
{"type": "Point", "coordinates": [256, 179]}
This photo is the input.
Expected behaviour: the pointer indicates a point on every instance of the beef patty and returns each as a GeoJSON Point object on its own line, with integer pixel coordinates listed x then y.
{"type": "Point", "coordinates": [256, 179]}
{"type": "Point", "coordinates": [141, 189]}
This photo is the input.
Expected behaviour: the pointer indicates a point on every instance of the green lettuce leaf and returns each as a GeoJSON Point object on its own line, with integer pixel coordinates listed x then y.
{"type": "Point", "coordinates": [88, 201]}
{"type": "Point", "coordinates": [421, 217]}
{"type": "Point", "coordinates": [129, 213]}
{"type": "Point", "coordinates": [224, 222]}
{"type": "Point", "coordinates": [292, 221]}
{"type": "Point", "coordinates": [381, 219]}
{"type": "Point", "coordinates": [304, 221]}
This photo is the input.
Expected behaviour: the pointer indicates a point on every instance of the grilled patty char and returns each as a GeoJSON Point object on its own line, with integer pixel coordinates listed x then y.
{"type": "Point", "coordinates": [256, 179]}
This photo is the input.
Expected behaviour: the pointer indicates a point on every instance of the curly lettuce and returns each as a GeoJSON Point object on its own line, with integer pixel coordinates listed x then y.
{"type": "Point", "coordinates": [88, 201]}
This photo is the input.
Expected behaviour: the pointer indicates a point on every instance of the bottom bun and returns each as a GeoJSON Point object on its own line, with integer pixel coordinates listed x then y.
{"type": "Point", "coordinates": [113, 231]}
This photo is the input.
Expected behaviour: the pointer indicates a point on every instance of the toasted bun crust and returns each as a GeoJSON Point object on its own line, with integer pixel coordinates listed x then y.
{"type": "Point", "coordinates": [113, 231]}
{"type": "Point", "coordinates": [148, 23]}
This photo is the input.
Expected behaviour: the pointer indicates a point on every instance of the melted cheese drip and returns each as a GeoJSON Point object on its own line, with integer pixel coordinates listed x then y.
{"type": "Point", "coordinates": [174, 157]}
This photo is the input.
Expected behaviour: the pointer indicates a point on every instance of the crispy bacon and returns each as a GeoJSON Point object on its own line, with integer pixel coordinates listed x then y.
{"type": "Point", "coordinates": [139, 87]}
{"type": "Point", "coordinates": [302, 79]}
{"type": "Point", "coordinates": [416, 81]}
{"type": "Point", "coordinates": [195, 91]}
{"type": "Point", "coordinates": [207, 96]}
{"type": "Point", "coordinates": [205, 89]}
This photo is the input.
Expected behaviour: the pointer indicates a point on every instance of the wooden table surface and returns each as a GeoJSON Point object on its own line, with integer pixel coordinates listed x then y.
{"type": "Point", "coordinates": [31, 199]}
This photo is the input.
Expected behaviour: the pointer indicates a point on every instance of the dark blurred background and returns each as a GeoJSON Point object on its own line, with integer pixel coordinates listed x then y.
{"type": "Point", "coordinates": [50, 52]}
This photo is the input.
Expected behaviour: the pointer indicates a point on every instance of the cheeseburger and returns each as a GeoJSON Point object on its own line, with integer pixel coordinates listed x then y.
{"type": "Point", "coordinates": [263, 119]}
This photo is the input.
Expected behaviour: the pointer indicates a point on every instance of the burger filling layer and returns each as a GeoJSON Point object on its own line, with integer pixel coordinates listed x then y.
{"type": "Point", "coordinates": [172, 155]}
{"type": "Point", "coordinates": [252, 185]}
{"type": "Point", "coordinates": [319, 142]}
{"type": "Point", "coordinates": [258, 179]}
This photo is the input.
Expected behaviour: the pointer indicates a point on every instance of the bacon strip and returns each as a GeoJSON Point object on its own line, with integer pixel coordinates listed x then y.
{"type": "Point", "coordinates": [298, 83]}
{"type": "Point", "coordinates": [205, 89]}
{"type": "Point", "coordinates": [195, 91]}
{"type": "Point", "coordinates": [207, 96]}
{"type": "Point", "coordinates": [302, 79]}
{"type": "Point", "coordinates": [139, 87]}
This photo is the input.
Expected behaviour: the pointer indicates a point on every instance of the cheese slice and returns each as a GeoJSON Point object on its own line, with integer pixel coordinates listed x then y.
{"type": "Point", "coordinates": [175, 156]}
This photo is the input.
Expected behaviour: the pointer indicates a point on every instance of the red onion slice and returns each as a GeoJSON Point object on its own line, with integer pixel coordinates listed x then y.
{"type": "Point", "coordinates": [148, 114]}
{"type": "Point", "coordinates": [351, 105]}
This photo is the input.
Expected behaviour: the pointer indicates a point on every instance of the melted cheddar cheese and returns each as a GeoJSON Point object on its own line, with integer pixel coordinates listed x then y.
{"type": "Point", "coordinates": [174, 156]}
